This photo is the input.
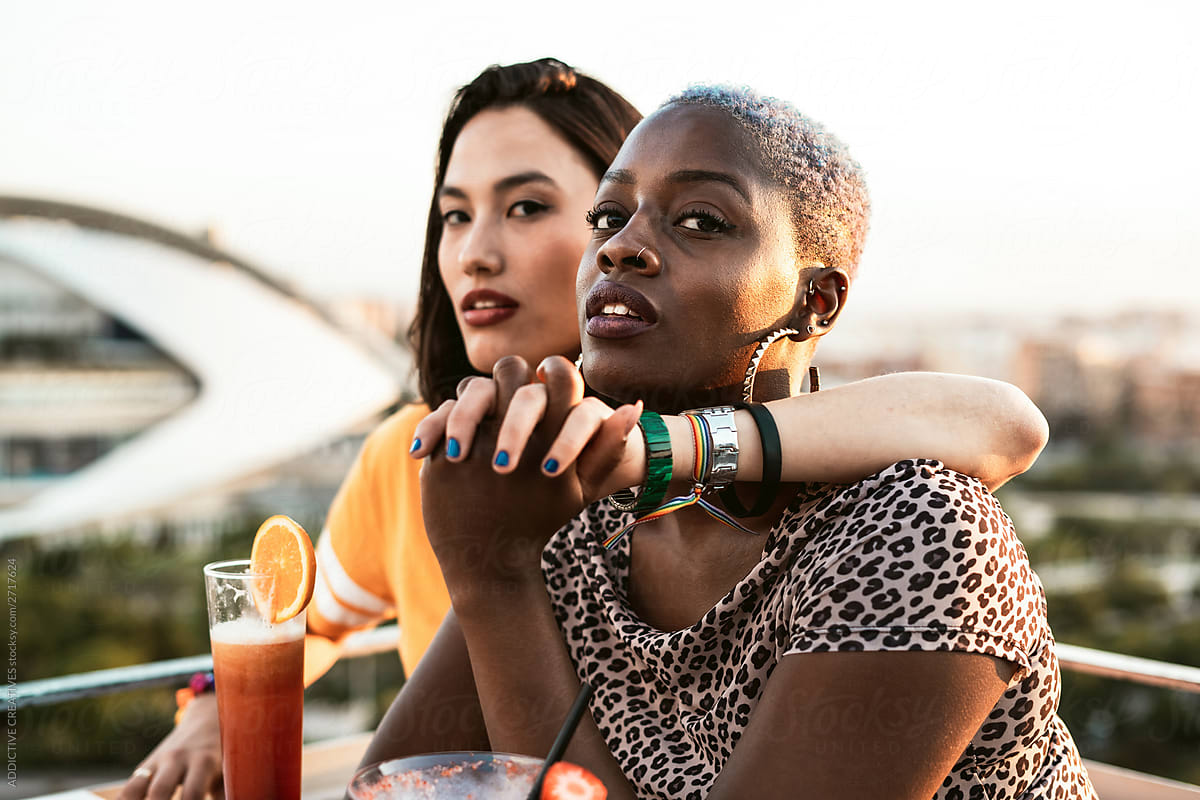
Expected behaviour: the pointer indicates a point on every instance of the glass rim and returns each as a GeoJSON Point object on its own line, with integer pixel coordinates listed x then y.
{"type": "Point", "coordinates": [222, 569]}
{"type": "Point", "coordinates": [463, 755]}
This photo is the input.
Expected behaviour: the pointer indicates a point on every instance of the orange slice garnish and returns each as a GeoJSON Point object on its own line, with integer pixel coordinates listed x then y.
{"type": "Point", "coordinates": [283, 551]}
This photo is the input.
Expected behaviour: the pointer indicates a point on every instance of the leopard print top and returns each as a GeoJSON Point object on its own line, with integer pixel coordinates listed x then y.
{"type": "Point", "coordinates": [915, 557]}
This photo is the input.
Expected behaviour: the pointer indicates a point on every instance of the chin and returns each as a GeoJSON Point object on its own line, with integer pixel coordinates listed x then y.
{"type": "Point", "coordinates": [484, 358]}
{"type": "Point", "coordinates": [666, 393]}
{"type": "Point", "coordinates": [622, 387]}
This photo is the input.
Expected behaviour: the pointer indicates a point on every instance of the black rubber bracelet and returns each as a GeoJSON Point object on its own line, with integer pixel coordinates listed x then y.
{"type": "Point", "coordinates": [772, 465]}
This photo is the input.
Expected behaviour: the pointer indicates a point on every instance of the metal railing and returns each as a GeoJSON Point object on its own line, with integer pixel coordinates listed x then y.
{"type": "Point", "coordinates": [1111, 782]}
{"type": "Point", "coordinates": [1128, 668]}
{"type": "Point", "coordinates": [173, 672]}
{"type": "Point", "coordinates": [380, 640]}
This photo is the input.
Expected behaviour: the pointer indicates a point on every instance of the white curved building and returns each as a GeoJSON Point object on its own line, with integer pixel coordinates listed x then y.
{"type": "Point", "coordinates": [260, 374]}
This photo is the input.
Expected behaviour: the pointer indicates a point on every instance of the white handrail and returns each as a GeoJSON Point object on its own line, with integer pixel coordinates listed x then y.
{"type": "Point", "coordinates": [1129, 668]}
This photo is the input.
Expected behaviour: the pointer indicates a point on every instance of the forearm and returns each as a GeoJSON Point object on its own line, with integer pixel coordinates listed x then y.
{"type": "Point", "coordinates": [320, 653]}
{"type": "Point", "coordinates": [977, 426]}
{"type": "Point", "coordinates": [437, 710]}
{"type": "Point", "coordinates": [525, 679]}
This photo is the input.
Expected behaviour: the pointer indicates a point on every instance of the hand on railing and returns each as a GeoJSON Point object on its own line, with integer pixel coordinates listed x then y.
{"type": "Point", "coordinates": [189, 756]}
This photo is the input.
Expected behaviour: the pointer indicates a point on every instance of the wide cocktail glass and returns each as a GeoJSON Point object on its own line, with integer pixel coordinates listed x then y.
{"type": "Point", "coordinates": [448, 776]}
{"type": "Point", "coordinates": [259, 672]}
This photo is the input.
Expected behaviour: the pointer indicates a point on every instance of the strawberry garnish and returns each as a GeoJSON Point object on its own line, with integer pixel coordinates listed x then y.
{"type": "Point", "coordinates": [566, 781]}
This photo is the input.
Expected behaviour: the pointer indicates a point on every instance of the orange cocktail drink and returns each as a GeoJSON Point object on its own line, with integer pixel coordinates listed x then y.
{"type": "Point", "coordinates": [258, 668]}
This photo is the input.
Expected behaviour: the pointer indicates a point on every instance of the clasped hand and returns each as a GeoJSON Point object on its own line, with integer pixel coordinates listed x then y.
{"type": "Point", "coordinates": [511, 461]}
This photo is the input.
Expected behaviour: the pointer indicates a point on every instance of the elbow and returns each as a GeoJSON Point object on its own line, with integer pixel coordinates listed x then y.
{"type": "Point", "coordinates": [1022, 432]}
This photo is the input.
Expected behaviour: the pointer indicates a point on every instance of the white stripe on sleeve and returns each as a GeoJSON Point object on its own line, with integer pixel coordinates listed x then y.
{"type": "Point", "coordinates": [342, 586]}
{"type": "Point", "coordinates": [329, 607]}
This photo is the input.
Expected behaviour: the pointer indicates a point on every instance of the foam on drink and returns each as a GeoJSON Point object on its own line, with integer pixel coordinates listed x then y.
{"type": "Point", "coordinates": [250, 631]}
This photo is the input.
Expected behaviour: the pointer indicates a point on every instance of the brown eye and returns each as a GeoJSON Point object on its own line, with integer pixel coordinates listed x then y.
{"type": "Point", "coordinates": [605, 219]}
{"type": "Point", "coordinates": [527, 208]}
{"type": "Point", "coordinates": [704, 222]}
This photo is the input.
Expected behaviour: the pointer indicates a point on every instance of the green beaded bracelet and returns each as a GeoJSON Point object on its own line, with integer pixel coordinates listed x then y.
{"type": "Point", "coordinates": [658, 468]}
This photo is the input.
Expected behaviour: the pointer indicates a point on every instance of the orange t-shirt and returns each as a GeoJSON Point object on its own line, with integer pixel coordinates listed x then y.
{"type": "Point", "coordinates": [374, 560]}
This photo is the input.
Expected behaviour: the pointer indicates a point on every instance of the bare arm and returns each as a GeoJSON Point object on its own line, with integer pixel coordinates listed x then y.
{"type": "Point", "coordinates": [188, 757]}
{"type": "Point", "coordinates": [860, 726]}
{"type": "Point", "coordinates": [438, 708]}
{"type": "Point", "coordinates": [489, 531]}
{"type": "Point", "coordinates": [980, 427]}
{"type": "Point", "coordinates": [525, 677]}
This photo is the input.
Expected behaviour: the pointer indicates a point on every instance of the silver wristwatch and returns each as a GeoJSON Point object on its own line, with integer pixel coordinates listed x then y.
{"type": "Point", "coordinates": [723, 461]}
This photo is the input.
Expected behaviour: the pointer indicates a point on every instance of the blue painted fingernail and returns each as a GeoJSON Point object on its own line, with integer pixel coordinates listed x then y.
{"type": "Point", "coordinates": [502, 458]}
{"type": "Point", "coordinates": [551, 465]}
{"type": "Point", "coordinates": [452, 448]}
{"type": "Point", "coordinates": [416, 445]}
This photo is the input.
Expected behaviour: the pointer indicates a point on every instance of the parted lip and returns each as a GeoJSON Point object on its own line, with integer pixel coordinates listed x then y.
{"type": "Point", "coordinates": [608, 292]}
{"type": "Point", "coordinates": [482, 295]}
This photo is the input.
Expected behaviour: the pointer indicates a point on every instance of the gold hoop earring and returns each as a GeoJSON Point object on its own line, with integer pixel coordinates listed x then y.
{"type": "Point", "coordinates": [759, 352]}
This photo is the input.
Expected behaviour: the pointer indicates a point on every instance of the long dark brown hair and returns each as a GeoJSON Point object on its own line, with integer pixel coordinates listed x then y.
{"type": "Point", "coordinates": [591, 117]}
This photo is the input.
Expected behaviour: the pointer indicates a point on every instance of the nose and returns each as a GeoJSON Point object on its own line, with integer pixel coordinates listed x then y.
{"type": "Point", "coordinates": [480, 249]}
{"type": "Point", "coordinates": [628, 250]}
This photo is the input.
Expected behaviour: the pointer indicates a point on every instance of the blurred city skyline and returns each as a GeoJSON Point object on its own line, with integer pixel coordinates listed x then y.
{"type": "Point", "coordinates": [1034, 161]}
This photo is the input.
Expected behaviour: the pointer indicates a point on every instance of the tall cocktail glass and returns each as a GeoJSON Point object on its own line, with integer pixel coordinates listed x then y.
{"type": "Point", "coordinates": [259, 672]}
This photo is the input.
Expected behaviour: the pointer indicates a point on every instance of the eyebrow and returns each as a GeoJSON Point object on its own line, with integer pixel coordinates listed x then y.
{"type": "Point", "coordinates": [625, 178]}
{"type": "Point", "coordinates": [502, 185]}
{"type": "Point", "coordinates": [706, 176]}
{"type": "Point", "coordinates": [621, 176]}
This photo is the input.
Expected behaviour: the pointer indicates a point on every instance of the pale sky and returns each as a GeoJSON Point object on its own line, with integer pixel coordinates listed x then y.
{"type": "Point", "coordinates": [1034, 156]}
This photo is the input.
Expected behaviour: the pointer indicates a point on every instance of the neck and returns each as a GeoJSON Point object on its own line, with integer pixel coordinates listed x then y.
{"type": "Point", "coordinates": [781, 374]}
{"type": "Point", "coordinates": [776, 384]}
{"type": "Point", "coordinates": [769, 385]}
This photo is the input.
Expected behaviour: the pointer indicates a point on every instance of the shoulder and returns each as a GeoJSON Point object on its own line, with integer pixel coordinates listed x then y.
{"type": "Point", "coordinates": [917, 548]}
{"type": "Point", "coordinates": [921, 477]}
{"type": "Point", "coordinates": [383, 459]}
{"type": "Point", "coordinates": [388, 444]}
{"type": "Point", "coordinates": [920, 513]}
{"type": "Point", "coordinates": [914, 493]}
{"type": "Point", "coordinates": [397, 430]}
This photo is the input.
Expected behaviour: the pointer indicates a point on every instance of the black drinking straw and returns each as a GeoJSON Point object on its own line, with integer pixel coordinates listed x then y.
{"type": "Point", "coordinates": [564, 737]}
